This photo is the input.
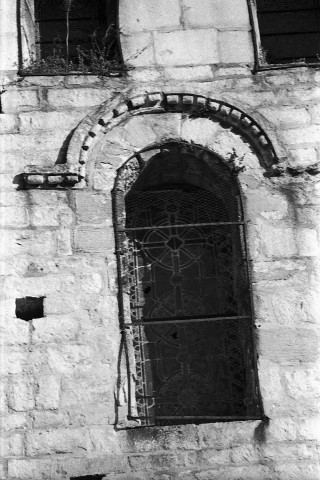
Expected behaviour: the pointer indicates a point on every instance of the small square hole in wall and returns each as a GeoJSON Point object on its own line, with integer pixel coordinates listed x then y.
{"type": "Point", "coordinates": [29, 307]}
{"type": "Point", "coordinates": [89, 477]}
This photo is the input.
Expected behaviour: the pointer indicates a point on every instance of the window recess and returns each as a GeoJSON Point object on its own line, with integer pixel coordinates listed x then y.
{"type": "Point", "coordinates": [184, 287]}
{"type": "Point", "coordinates": [286, 32]}
{"type": "Point", "coordinates": [62, 36]}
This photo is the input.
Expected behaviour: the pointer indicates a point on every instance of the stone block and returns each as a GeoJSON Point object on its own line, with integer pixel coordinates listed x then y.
{"type": "Point", "coordinates": [286, 116]}
{"type": "Point", "coordinates": [104, 176]}
{"type": "Point", "coordinates": [50, 216]}
{"type": "Point", "coordinates": [309, 470]}
{"type": "Point", "coordinates": [285, 346]}
{"type": "Point", "coordinates": [231, 15]}
{"type": "Point", "coordinates": [245, 454]}
{"type": "Point", "coordinates": [64, 241]}
{"type": "Point", "coordinates": [314, 111]}
{"type": "Point", "coordinates": [77, 97]}
{"type": "Point", "coordinates": [37, 469]}
{"type": "Point", "coordinates": [302, 383]}
{"type": "Point", "coordinates": [185, 47]}
{"type": "Point", "coordinates": [14, 100]}
{"type": "Point", "coordinates": [93, 240]}
{"type": "Point", "coordinates": [67, 120]}
{"type": "Point", "coordinates": [289, 242]}
{"type": "Point", "coordinates": [31, 146]}
{"type": "Point", "coordinates": [92, 414]}
{"type": "Point", "coordinates": [60, 303]}
{"type": "Point", "coordinates": [66, 359]}
{"type": "Point", "coordinates": [303, 157]}
{"type": "Point", "coordinates": [48, 392]}
{"type": "Point", "coordinates": [94, 386]}
{"type": "Point", "coordinates": [199, 130]}
{"type": "Point", "coordinates": [300, 136]}
{"type": "Point", "coordinates": [270, 381]}
{"type": "Point", "coordinates": [136, 16]}
{"type": "Point", "coordinates": [182, 437]}
{"type": "Point", "coordinates": [104, 440]}
{"type": "Point", "coordinates": [8, 123]}
{"type": "Point", "coordinates": [286, 450]}
{"type": "Point", "coordinates": [154, 462]}
{"type": "Point", "coordinates": [226, 435]}
{"type": "Point", "coordinates": [16, 217]}
{"type": "Point", "coordinates": [55, 329]}
{"type": "Point", "coordinates": [15, 421]}
{"type": "Point", "coordinates": [93, 208]}
{"type": "Point", "coordinates": [3, 398]}
{"type": "Point", "coordinates": [265, 203]}
{"type": "Point", "coordinates": [44, 419]}
{"type": "Point", "coordinates": [201, 73]}
{"type": "Point", "coordinates": [138, 49]}
{"type": "Point", "coordinates": [207, 458]}
{"type": "Point", "coordinates": [21, 395]}
{"type": "Point", "coordinates": [236, 47]}
{"type": "Point", "coordinates": [61, 440]}
{"type": "Point", "coordinates": [13, 331]}
{"type": "Point", "coordinates": [11, 446]}
{"type": "Point", "coordinates": [14, 360]}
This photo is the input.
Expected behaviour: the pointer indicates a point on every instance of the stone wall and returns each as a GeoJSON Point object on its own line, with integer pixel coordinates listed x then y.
{"type": "Point", "coordinates": [59, 401]}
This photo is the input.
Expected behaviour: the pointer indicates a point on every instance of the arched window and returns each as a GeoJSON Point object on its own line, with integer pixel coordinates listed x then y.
{"type": "Point", "coordinates": [64, 35]}
{"type": "Point", "coordinates": [184, 288]}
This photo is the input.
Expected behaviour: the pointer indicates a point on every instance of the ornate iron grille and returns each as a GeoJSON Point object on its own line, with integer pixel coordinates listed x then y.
{"type": "Point", "coordinates": [86, 17]}
{"type": "Point", "coordinates": [186, 274]}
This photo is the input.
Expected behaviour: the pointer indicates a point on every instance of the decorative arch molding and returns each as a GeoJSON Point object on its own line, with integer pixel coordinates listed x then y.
{"type": "Point", "coordinates": [192, 106]}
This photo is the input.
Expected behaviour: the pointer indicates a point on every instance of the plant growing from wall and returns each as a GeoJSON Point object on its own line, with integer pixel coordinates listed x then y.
{"type": "Point", "coordinates": [99, 56]}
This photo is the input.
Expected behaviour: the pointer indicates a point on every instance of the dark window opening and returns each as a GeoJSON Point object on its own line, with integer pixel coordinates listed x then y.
{"type": "Point", "coordinates": [188, 288]}
{"type": "Point", "coordinates": [89, 477]}
{"type": "Point", "coordinates": [29, 307]}
{"type": "Point", "coordinates": [289, 30]}
{"type": "Point", "coordinates": [61, 36]}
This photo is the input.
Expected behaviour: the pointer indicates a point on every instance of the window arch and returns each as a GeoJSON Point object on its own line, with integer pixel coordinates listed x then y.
{"type": "Point", "coordinates": [184, 288]}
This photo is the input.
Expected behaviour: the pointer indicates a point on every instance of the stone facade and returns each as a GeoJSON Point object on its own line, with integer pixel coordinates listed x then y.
{"type": "Point", "coordinates": [63, 138]}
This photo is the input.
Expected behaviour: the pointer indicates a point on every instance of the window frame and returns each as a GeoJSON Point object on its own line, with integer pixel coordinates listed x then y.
{"type": "Point", "coordinates": [260, 63]}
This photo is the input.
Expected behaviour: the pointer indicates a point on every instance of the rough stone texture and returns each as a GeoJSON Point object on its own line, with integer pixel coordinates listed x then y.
{"type": "Point", "coordinates": [59, 373]}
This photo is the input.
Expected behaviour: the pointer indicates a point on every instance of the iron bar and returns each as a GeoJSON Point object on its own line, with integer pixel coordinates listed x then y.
{"type": "Point", "coordinates": [179, 226]}
{"type": "Point", "coordinates": [192, 320]}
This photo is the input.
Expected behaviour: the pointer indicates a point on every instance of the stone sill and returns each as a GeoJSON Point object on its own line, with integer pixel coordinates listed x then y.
{"type": "Point", "coordinates": [282, 66]}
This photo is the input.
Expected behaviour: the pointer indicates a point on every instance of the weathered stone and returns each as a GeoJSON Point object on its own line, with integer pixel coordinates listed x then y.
{"type": "Point", "coordinates": [11, 446]}
{"type": "Point", "coordinates": [48, 392]}
{"type": "Point", "coordinates": [170, 47]}
{"type": "Point", "coordinates": [136, 16]}
{"type": "Point", "coordinates": [13, 331]}
{"type": "Point", "coordinates": [21, 395]}
{"type": "Point", "coordinates": [289, 242]}
{"type": "Point", "coordinates": [236, 47]}
{"type": "Point", "coordinates": [233, 15]}
{"type": "Point", "coordinates": [14, 100]}
{"type": "Point", "coordinates": [8, 123]}
{"type": "Point", "coordinates": [93, 240]}
{"type": "Point", "coordinates": [55, 329]}
{"type": "Point", "coordinates": [289, 347]}
{"type": "Point", "coordinates": [51, 216]}
{"type": "Point", "coordinates": [93, 208]}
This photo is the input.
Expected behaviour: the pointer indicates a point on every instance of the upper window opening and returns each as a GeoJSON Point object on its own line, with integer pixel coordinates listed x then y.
{"type": "Point", "coordinates": [70, 36]}
{"type": "Point", "coordinates": [188, 291]}
{"type": "Point", "coordinates": [287, 31]}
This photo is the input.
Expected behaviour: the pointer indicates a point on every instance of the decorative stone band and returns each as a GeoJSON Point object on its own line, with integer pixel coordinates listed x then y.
{"type": "Point", "coordinates": [58, 175]}
{"type": "Point", "coordinates": [196, 106]}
